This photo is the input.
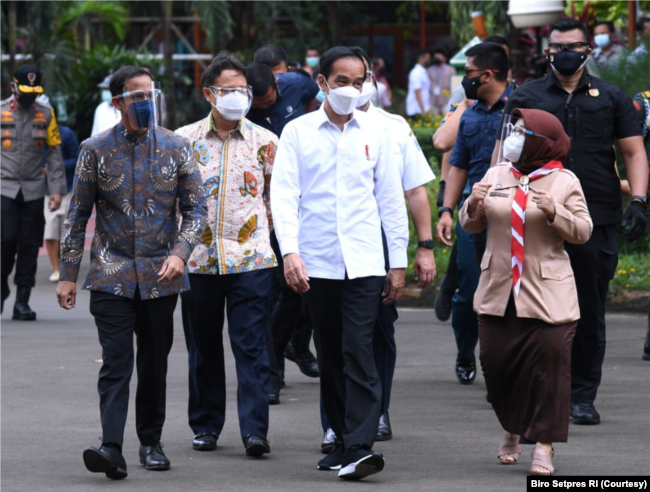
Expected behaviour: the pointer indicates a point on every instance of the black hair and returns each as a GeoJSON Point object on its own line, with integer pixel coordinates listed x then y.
{"type": "Point", "coordinates": [336, 53]}
{"type": "Point", "coordinates": [441, 51]}
{"type": "Point", "coordinates": [421, 53]}
{"type": "Point", "coordinates": [270, 55]}
{"type": "Point", "coordinates": [260, 78]}
{"type": "Point", "coordinates": [123, 75]}
{"type": "Point", "coordinates": [640, 24]}
{"type": "Point", "coordinates": [223, 61]}
{"type": "Point", "coordinates": [566, 25]}
{"type": "Point", "coordinates": [364, 55]}
{"type": "Point", "coordinates": [498, 40]}
{"type": "Point", "coordinates": [609, 24]}
{"type": "Point", "coordinates": [490, 56]}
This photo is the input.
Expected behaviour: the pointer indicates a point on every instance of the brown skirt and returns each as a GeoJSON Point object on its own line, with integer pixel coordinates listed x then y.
{"type": "Point", "coordinates": [527, 367]}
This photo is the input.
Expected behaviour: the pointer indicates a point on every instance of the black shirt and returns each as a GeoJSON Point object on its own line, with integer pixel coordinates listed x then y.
{"type": "Point", "coordinates": [595, 115]}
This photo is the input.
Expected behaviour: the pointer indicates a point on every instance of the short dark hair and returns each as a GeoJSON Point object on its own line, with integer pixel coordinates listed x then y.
{"type": "Point", "coordinates": [498, 40]}
{"type": "Point", "coordinates": [123, 75]}
{"type": "Point", "coordinates": [640, 24]}
{"type": "Point", "coordinates": [609, 24]}
{"type": "Point", "coordinates": [566, 25]}
{"type": "Point", "coordinates": [336, 53]}
{"type": "Point", "coordinates": [260, 78]}
{"type": "Point", "coordinates": [223, 61]}
{"type": "Point", "coordinates": [270, 55]}
{"type": "Point", "coordinates": [364, 55]}
{"type": "Point", "coordinates": [490, 56]}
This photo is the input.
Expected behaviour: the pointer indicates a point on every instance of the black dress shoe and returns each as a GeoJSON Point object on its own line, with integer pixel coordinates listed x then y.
{"type": "Point", "coordinates": [360, 462]}
{"type": "Point", "coordinates": [385, 432]}
{"type": "Point", "coordinates": [584, 414]}
{"type": "Point", "coordinates": [308, 365]}
{"type": "Point", "coordinates": [107, 459]}
{"type": "Point", "coordinates": [206, 441]}
{"type": "Point", "coordinates": [329, 441]}
{"type": "Point", "coordinates": [274, 393]}
{"type": "Point", "coordinates": [256, 445]}
{"type": "Point", "coordinates": [333, 460]}
{"type": "Point", "coordinates": [282, 383]}
{"type": "Point", "coordinates": [442, 305]}
{"type": "Point", "coordinates": [22, 311]}
{"type": "Point", "coordinates": [465, 371]}
{"type": "Point", "coordinates": [153, 457]}
{"type": "Point", "coordinates": [646, 352]}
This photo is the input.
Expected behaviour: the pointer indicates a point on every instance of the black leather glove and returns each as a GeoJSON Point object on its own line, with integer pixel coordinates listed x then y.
{"type": "Point", "coordinates": [635, 217]}
{"type": "Point", "coordinates": [441, 193]}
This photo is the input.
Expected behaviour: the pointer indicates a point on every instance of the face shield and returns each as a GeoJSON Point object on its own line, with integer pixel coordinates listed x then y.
{"type": "Point", "coordinates": [513, 138]}
{"type": "Point", "coordinates": [368, 90]}
{"type": "Point", "coordinates": [232, 103]}
{"type": "Point", "coordinates": [143, 108]}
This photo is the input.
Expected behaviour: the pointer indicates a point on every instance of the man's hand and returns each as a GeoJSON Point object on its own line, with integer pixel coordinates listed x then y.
{"type": "Point", "coordinates": [545, 203]}
{"type": "Point", "coordinates": [173, 268]}
{"type": "Point", "coordinates": [424, 267]}
{"type": "Point", "coordinates": [295, 273]}
{"type": "Point", "coordinates": [394, 285]}
{"type": "Point", "coordinates": [66, 294]}
{"type": "Point", "coordinates": [54, 202]}
{"type": "Point", "coordinates": [635, 217]}
{"type": "Point", "coordinates": [443, 229]}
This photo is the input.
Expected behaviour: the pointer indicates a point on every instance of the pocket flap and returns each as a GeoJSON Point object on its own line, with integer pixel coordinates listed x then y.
{"type": "Point", "coordinates": [556, 270]}
{"type": "Point", "coordinates": [485, 261]}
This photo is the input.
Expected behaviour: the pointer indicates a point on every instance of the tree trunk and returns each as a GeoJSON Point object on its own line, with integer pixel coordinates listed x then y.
{"type": "Point", "coordinates": [335, 22]}
{"type": "Point", "coordinates": [169, 64]}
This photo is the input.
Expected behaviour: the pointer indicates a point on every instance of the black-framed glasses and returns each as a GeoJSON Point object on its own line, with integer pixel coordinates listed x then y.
{"type": "Point", "coordinates": [482, 70]}
{"type": "Point", "coordinates": [574, 47]}
{"type": "Point", "coordinates": [521, 131]}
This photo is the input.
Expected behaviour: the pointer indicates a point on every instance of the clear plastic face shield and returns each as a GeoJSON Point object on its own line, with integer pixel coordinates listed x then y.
{"type": "Point", "coordinates": [368, 90]}
{"type": "Point", "coordinates": [513, 138]}
{"type": "Point", "coordinates": [142, 106]}
{"type": "Point", "coordinates": [232, 103]}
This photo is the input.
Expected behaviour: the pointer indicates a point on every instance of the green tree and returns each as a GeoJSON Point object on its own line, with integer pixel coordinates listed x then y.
{"type": "Point", "coordinates": [494, 12]}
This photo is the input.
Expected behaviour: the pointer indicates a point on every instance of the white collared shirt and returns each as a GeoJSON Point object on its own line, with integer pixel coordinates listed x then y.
{"type": "Point", "coordinates": [418, 79]}
{"type": "Point", "coordinates": [414, 168]}
{"type": "Point", "coordinates": [333, 191]}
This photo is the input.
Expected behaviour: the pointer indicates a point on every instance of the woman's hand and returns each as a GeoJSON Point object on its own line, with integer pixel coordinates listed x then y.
{"type": "Point", "coordinates": [479, 192]}
{"type": "Point", "coordinates": [545, 203]}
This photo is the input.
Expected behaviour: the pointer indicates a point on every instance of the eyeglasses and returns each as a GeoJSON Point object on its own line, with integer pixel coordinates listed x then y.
{"type": "Point", "coordinates": [224, 91]}
{"type": "Point", "coordinates": [483, 70]}
{"type": "Point", "coordinates": [521, 131]}
{"type": "Point", "coordinates": [137, 96]}
{"type": "Point", "coordinates": [574, 47]}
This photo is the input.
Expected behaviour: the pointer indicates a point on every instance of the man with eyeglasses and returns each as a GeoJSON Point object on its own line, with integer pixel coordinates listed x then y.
{"type": "Point", "coordinates": [135, 175]}
{"type": "Point", "coordinates": [231, 266]}
{"type": "Point", "coordinates": [486, 81]}
{"type": "Point", "coordinates": [596, 115]}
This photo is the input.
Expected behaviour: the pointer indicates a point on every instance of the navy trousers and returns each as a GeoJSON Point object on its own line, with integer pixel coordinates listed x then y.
{"type": "Point", "coordinates": [245, 298]}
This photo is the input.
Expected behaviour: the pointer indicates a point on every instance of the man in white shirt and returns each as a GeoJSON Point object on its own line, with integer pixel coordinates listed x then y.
{"type": "Point", "coordinates": [418, 99]}
{"type": "Point", "coordinates": [106, 116]}
{"type": "Point", "coordinates": [335, 185]}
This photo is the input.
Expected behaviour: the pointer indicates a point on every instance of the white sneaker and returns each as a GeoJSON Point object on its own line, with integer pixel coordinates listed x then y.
{"type": "Point", "coordinates": [54, 277]}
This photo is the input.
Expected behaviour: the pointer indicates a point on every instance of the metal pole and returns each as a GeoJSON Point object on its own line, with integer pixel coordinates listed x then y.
{"type": "Point", "coordinates": [631, 24]}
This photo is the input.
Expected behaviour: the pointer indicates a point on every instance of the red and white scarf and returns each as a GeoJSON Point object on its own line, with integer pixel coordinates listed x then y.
{"type": "Point", "coordinates": [518, 217]}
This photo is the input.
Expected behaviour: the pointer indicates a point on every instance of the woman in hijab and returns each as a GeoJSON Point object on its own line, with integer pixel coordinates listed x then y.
{"type": "Point", "coordinates": [526, 299]}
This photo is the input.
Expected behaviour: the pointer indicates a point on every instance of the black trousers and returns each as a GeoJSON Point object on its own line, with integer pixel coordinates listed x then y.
{"type": "Point", "coordinates": [152, 321]}
{"type": "Point", "coordinates": [245, 297]}
{"type": "Point", "coordinates": [385, 350]}
{"type": "Point", "coordinates": [343, 314]}
{"type": "Point", "coordinates": [594, 265]}
{"type": "Point", "coordinates": [23, 226]}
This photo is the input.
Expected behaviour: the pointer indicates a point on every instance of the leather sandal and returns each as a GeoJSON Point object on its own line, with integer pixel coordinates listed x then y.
{"type": "Point", "coordinates": [510, 446]}
{"type": "Point", "coordinates": [543, 461]}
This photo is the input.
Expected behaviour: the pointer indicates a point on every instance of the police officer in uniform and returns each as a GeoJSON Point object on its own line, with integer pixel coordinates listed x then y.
{"type": "Point", "coordinates": [29, 135]}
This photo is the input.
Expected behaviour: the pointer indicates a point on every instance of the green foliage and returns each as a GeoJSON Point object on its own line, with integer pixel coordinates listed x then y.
{"type": "Point", "coordinates": [79, 14]}
{"type": "Point", "coordinates": [494, 12]}
{"type": "Point", "coordinates": [633, 273]}
{"type": "Point", "coordinates": [216, 20]}
{"type": "Point", "coordinates": [615, 11]}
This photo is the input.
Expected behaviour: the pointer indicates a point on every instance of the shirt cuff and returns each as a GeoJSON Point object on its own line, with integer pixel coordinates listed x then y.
{"type": "Point", "coordinates": [398, 259]}
{"type": "Point", "coordinates": [182, 249]}
{"type": "Point", "coordinates": [68, 272]}
{"type": "Point", "coordinates": [288, 246]}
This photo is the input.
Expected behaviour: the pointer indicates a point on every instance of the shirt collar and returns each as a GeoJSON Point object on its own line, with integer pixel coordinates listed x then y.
{"type": "Point", "coordinates": [323, 118]}
{"type": "Point", "coordinates": [130, 137]}
{"type": "Point", "coordinates": [480, 104]}
{"type": "Point", "coordinates": [585, 79]}
{"type": "Point", "coordinates": [241, 127]}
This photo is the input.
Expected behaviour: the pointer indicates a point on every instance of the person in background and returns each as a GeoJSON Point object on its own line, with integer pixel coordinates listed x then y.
{"type": "Point", "coordinates": [312, 62]}
{"type": "Point", "coordinates": [273, 57]}
{"type": "Point", "coordinates": [440, 74]}
{"type": "Point", "coordinates": [607, 53]}
{"type": "Point", "coordinates": [29, 134]}
{"type": "Point", "coordinates": [418, 99]}
{"type": "Point", "coordinates": [643, 28]}
{"type": "Point", "coordinates": [106, 115]}
{"type": "Point", "coordinates": [54, 219]}
{"type": "Point", "coordinates": [379, 68]}
{"type": "Point", "coordinates": [381, 98]}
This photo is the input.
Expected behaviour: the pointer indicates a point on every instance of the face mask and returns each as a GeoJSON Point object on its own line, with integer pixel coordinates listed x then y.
{"type": "Point", "coordinates": [233, 107]}
{"type": "Point", "coordinates": [437, 62]}
{"type": "Point", "coordinates": [343, 100]}
{"type": "Point", "coordinates": [141, 113]}
{"type": "Point", "coordinates": [471, 86]}
{"type": "Point", "coordinates": [26, 100]}
{"type": "Point", "coordinates": [313, 61]}
{"type": "Point", "coordinates": [320, 97]}
{"type": "Point", "coordinates": [513, 145]}
{"type": "Point", "coordinates": [259, 113]}
{"type": "Point", "coordinates": [366, 93]}
{"type": "Point", "coordinates": [106, 96]}
{"type": "Point", "coordinates": [602, 40]}
{"type": "Point", "coordinates": [567, 63]}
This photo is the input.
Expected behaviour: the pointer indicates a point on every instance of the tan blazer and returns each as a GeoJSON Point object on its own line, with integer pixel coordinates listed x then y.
{"type": "Point", "coordinates": [548, 289]}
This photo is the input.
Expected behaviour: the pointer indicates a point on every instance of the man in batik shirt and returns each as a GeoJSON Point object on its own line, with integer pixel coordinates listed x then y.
{"type": "Point", "coordinates": [231, 265]}
{"type": "Point", "coordinates": [133, 174]}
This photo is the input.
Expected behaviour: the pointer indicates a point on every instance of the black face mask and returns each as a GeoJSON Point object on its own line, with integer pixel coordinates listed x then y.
{"type": "Point", "coordinates": [471, 86]}
{"type": "Point", "coordinates": [567, 62]}
{"type": "Point", "coordinates": [26, 100]}
{"type": "Point", "coordinates": [437, 62]}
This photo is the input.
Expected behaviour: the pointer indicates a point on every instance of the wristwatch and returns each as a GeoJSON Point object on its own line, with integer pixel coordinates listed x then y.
{"type": "Point", "coordinates": [428, 244]}
{"type": "Point", "coordinates": [442, 210]}
{"type": "Point", "coordinates": [640, 198]}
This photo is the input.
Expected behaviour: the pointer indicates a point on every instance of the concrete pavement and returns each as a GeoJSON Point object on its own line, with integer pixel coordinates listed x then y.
{"type": "Point", "coordinates": [446, 435]}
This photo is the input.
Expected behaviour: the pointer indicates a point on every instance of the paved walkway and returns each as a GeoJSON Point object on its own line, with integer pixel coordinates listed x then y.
{"type": "Point", "coordinates": [446, 435]}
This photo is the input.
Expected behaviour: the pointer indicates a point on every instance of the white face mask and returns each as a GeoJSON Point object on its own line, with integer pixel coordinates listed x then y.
{"type": "Point", "coordinates": [513, 146]}
{"type": "Point", "coordinates": [343, 100]}
{"type": "Point", "coordinates": [233, 106]}
{"type": "Point", "coordinates": [367, 92]}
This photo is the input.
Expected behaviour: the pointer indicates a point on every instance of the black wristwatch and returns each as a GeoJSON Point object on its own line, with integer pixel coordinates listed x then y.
{"type": "Point", "coordinates": [428, 244]}
{"type": "Point", "coordinates": [641, 198]}
{"type": "Point", "coordinates": [442, 210]}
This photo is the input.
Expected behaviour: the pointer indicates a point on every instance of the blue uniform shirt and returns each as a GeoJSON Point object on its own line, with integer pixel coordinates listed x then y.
{"type": "Point", "coordinates": [476, 138]}
{"type": "Point", "coordinates": [294, 92]}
